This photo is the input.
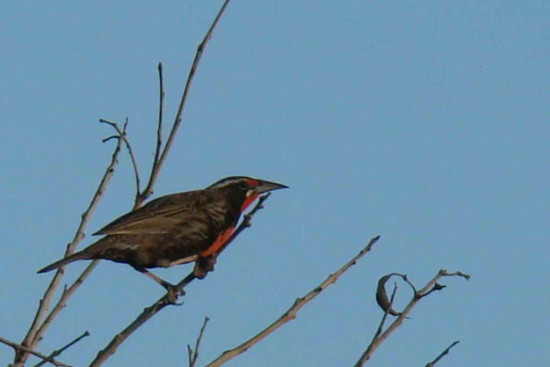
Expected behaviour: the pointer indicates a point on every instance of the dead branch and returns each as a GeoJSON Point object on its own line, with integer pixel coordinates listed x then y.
{"type": "Point", "coordinates": [290, 314]}
{"type": "Point", "coordinates": [166, 300]}
{"type": "Point", "coordinates": [57, 352]}
{"type": "Point", "coordinates": [193, 354]}
{"type": "Point", "coordinates": [38, 326]}
{"type": "Point", "coordinates": [431, 286]}
{"type": "Point", "coordinates": [67, 293]}
{"type": "Point", "coordinates": [122, 135]}
{"type": "Point", "coordinates": [158, 146]}
{"type": "Point", "coordinates": [18, 347]}
{"type": "Point", "coordinates": [387, 311]}
{"type": "Point", "coordinates": [177, 120]}
{"type": "Point", "coordinates": [442, 354]}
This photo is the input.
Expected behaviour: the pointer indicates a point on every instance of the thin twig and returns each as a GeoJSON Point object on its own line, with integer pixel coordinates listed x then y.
{"type": "Point", "coordinates": [55, 353]}
{"type": "Point", "coordinates": [156, 307]}
{"type": "Point", "coordinates": [19, 347]}
{"type": "Point", "coordinates": [38, 327]}
{"type": "Point", "coordinates": [290, 314]}
{"type": "Point", "coordinates": [67, 293]}
{"type": "Point", "coordinates": [193, 354]}
{"type": "Point", "coordinates": [177, 120]}
{"type": "Point", "coordinates": [122, 135]}
{"type": "Point", "coordinates": [32, 338]}
{"type": "Point", "coordinates": [159, 133]}
{"type": "Point", "coordinates": [376, 342]}
{"type": "Point", "coordinates": [442, 354]}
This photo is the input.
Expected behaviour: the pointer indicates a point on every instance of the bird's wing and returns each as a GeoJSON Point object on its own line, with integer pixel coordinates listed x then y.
{"type": "Point", "coordinates": [161, 215]}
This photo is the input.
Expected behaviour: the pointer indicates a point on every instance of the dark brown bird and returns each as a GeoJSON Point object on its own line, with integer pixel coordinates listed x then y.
{"type": "Point", "coordinates": [175, 229]}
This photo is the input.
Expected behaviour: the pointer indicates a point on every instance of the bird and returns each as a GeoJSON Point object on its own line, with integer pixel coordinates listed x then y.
{"type": "Point", "coordinates": [175, 229]}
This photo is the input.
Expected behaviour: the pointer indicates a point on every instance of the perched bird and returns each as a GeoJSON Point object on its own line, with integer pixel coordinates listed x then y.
{"type": "Point", "coordinates": [175, 229]}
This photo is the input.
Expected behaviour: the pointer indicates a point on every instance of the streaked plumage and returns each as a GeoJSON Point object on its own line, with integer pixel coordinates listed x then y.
{"type": "Point", "coordinates": [176, 228]}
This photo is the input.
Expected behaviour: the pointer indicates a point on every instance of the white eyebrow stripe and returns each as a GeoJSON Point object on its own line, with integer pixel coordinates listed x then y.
{"type": "Point", "coordinates": [228, 181]}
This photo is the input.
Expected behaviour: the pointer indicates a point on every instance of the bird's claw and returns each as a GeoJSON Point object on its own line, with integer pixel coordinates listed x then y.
{"type": "Point", "coordinates": [203, 266]}
{"type": "Point", "coordinates": [172, 294]}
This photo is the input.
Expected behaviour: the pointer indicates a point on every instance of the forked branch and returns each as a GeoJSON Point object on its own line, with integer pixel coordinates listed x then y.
{"type": "Point", "coordinates": [121, 134]}
{"type": "Point", "coordinates": [157, 164]}
{"type": "Point", "coordinates": [162, 302]}
{"type": "Point", "coordinates": [18, 347]}
{"type": "Point", "coordinates": [429, 288]}
{"type": "Point", "coordinates": [193, 354]}
{"type": "Point", "coordinates": [39, 325]}
{"type": "Point", "coordinates": [290, 314]}
{"type": "Point", "coordinates": [57, 352]}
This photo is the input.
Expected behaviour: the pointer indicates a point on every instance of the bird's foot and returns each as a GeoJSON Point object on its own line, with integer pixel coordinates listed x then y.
{"type": "Point", "coordinates": [203, 266]}
{"type": "Point", "coordinates": [172, 293]}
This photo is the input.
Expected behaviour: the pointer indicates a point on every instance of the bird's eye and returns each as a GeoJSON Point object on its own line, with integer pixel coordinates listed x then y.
{"type": "Point", "coordinates": [243, 185]}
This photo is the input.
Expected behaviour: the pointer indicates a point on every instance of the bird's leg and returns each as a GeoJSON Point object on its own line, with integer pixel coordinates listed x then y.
{"type": "Point", "coordinates": [185, 260]}
{"type": "Point", "coordinates": [203, 265]}
{"type": "Point", "coordinates": [173, 291]}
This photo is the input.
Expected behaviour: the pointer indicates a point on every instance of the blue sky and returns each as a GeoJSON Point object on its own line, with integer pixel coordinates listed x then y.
{"type": "Point", "coordinates": [424, 122]}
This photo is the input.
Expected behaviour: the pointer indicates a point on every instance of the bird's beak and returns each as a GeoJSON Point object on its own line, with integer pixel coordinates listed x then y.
{"type": "Point", "coordinates": [266, 186]}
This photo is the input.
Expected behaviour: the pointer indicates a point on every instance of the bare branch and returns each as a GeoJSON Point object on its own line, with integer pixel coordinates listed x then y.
{"type": "Point", "coordinates": [290, 314]}
{"type": "Point", "coordinates": [442, 354]}
{"type": "Point", "coordinates": [33, 337]}
{"type": "Point", "coordinates": [18, 347]}
{"type": "Point", "coordinates": [55, 353]}
{"type": "Point", "coordinates": [159, 133]}
{"type": "Point", "coordinates": [67, 293]}
{"type": "Point", "coordinates": [166, 300]}
{"type": "Point", "coordinates": [177, 121]}
{"type": "Point", "coordinates": [418, 295]}
{"type": "Point", "coordinates": [194, 354]}
{"type": "Point", "coordinates": [37, 329]}
{"type": "Point", "coordinates": [122, 135]}
{"type": "Point", "coordinates": [387, 311]}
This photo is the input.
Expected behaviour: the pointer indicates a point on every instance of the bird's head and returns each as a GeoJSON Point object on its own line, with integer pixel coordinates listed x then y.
{"type": "Point", "coordinates": [247, 188]}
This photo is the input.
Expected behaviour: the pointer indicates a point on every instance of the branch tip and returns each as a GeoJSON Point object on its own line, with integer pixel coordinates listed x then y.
{"type": "Point", "coordinates": [290, 313]}
{"type": "Point", "coordinates": [442, 354]}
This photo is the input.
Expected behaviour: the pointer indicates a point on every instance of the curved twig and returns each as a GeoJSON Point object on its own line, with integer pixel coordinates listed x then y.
{"type": "Point", "coordinates": [427, 289]}
{"type": "Point", "coordinates": [382, 296]}
{"type": "Point", "coordinates": [122, 135]}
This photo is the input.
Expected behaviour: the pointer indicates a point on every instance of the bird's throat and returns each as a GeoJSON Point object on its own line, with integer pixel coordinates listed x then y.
{"type": "Point", "coordinates": [248, 200]}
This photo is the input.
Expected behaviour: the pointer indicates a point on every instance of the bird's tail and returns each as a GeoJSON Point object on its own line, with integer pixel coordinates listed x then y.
{"type": "Point", "coordinates": [74, 257]}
